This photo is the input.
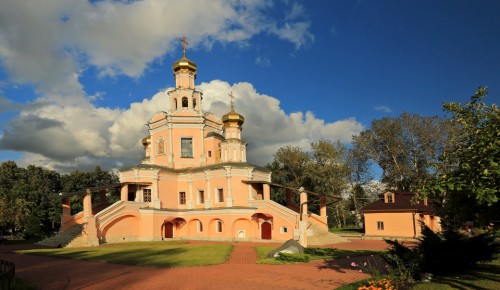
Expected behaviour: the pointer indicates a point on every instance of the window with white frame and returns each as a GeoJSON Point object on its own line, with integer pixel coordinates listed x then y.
{"type": "Point", "coordinates": [201, 196]}
{"type": "Point", "coordinates": [220, 195]}
{"type": "Point", "coordinates": [182, 197]}
{"type": "Point", "coordinates": [187, 147]}
{"type": "Point", "coordinates": [218, 226]}
{"type": "Point", "coordinates": [390, 197]}
{"type": "Point", "coordinates": [380, 226]}
{"type": "Point", "coordinates": [146, 195]}
{"type": "Point", "coordinates": [283, 230]}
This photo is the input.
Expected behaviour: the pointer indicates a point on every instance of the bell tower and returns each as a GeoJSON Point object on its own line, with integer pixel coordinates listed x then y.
{"type": "Point", "coordinates": [233, 148]}
{"type": "Point", "coordinates": [184, 97]}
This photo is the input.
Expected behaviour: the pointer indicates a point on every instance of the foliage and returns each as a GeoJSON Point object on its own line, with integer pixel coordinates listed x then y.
{"type": "Point", "coordinates": [405, 147]}
{"type": "Point", "coordinates": [468, 188]}
{"type": "Point", "coordinates": [378, 284]}
{"type": "Point", "coordinates": [165, 256]}
{"type": "Point", "coordinates": [324, 252]}
{"type": "Point", "coordinates": [29, 203]}
{"type": "Point", "coordinates": [323, 170]}
{"type": "Point", "coordinates": [449, 253]}
{"type": "Point", "coordinates": [406, 263]}
{"type": "Point", "coordinates": [293, 258]}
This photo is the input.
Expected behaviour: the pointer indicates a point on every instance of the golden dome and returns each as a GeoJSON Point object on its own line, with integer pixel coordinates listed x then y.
{"type": "Point", "coordinates": [146, 141]}
{"type": "Point", "coordinates": [233, 118]}
{"type": "Point", "coordinates": [184, 64]}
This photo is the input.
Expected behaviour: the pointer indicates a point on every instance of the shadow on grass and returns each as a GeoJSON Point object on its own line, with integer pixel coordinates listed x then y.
{"type": "Point", "coordinates": [372, 264]}
{"type": "Point", "coordinates": [152, 256]}
{"type": "Point", "coordinates": [484, 276]}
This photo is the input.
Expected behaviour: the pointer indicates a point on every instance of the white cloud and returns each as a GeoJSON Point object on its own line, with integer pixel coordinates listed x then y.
{"type": "Point", "coordinates": [382, 108]}
{"type": "Point", "coordinates": [76, 136]}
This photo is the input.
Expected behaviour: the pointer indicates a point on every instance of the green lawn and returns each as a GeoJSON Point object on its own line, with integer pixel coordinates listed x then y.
{"type": "Point", "coordinates": [157, 254]}
{"type": "Point", "coordinates": [262, 252]}
{"type": "Point", "coordinates": [485, 276]}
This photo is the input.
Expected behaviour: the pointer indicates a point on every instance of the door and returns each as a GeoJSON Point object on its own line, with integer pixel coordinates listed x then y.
{"type": "Point", "coordinates": [265, 231]}
{"type": "Point", "coordinates": [169, 230]}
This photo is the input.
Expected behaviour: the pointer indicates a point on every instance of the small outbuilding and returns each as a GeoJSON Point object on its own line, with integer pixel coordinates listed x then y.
{"type": "Point", "coordinates": [398, 215]}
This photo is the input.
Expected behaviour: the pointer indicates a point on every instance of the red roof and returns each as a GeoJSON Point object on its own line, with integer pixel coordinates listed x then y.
{"type": "Point", "coordinates": [402, 203]}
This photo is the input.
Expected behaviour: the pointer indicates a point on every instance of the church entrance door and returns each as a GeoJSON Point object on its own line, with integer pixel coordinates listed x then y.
{"type": "Point", "coordinates": [265, 231]}
{"type": "Point", "coordinates": [169, 230]}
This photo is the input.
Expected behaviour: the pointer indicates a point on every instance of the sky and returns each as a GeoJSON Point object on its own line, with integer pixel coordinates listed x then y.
{"type": "Point", "coordinates": [79, 79]}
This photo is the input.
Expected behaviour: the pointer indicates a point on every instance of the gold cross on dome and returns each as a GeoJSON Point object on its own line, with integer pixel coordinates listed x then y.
{"type": "Point", "coordinates": [184, 44]}
{"type": "Point", "coordinates": [231, 100]}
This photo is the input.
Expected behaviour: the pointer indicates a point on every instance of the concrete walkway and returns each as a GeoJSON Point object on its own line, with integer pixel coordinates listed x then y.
{"type": "Point", "coordinates": [239, 272]}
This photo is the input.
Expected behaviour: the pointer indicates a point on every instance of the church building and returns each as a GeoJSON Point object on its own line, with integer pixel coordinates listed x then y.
{"type": "Point", "coordinates": [194, 183]}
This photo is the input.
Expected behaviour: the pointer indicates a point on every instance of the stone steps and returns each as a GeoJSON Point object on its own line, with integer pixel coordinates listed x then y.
{"type": "Point", "coordinates": [321, 237]}
{"type": "Point", "coordinates": [63, 239]}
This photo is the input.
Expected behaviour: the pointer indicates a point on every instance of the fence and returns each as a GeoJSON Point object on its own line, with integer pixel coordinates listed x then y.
{"type": "Point", "coordinates": [7, 272]}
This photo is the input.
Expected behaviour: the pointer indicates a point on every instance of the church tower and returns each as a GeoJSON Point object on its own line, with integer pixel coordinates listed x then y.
{"type": "Point", "coordinates": [233, 148]}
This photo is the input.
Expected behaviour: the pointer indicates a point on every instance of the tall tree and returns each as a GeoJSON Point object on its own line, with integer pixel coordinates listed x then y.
{"type": "Point", "coordinates": [405, 147]}
{"type": "Point", "coordinates": [467, 189]}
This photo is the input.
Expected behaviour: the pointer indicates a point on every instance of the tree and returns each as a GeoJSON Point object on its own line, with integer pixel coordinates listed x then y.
{"type": "Point", "coordinates": [468, 187]}
{"type": "Point", "coordinates": [322, 170]}
{"type": "Point", "coordinates": [405, 147]}
{"type": "Point", "coordinates": [359, 166]}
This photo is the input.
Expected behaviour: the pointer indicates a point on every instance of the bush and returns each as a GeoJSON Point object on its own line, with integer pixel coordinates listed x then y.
{"type": "Point", "coordinates": [449, 253]}
{"type": "Point", "coordinates": [322, 252]}
{"type": "Point", "coordinates": [296, 258]}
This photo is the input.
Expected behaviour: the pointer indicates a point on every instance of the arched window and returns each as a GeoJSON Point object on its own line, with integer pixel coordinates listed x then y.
{"type": "Point", "coordinates": [194, 103]}
{"type": "Point", "coordinates": [185, 102]}
{"type": "Point", "coordinates": [200, 227]}
{"type": "Point", "coordinates": [175, 104]}
{"type": "Point", "coordinates": [218, 225]}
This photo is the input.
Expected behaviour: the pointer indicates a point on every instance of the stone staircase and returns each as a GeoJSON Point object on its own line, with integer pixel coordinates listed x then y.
{"type": "Point", "coordinates": [321, 237]}
{"type": "Point", "coordinates": [70, 238]}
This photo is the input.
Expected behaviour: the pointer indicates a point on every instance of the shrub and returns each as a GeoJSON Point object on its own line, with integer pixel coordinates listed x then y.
{"type": "Point", "coordinates": [405, 262]}
{"type": "Point", "coordinates": [296, 258]}
{"type": "Point", "coordinates": [325, 252]}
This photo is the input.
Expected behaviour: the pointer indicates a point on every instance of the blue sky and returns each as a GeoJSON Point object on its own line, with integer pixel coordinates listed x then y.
{"type": "Point", "coordinates": [79, 80]}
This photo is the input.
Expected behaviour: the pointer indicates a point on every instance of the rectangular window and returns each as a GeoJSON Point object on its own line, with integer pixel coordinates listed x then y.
{"type": "Point", "coordinates": [380, 226]}
{"type": "Point", "coordinates": [209, 153]}
{"type": "Point", "coordinates": [220, 195]}
{"type": "Point", "coordinates": [182, 198]}
{"type": "Point", "coordinates": [201, 196]}
{"type": "Point", "coordinates": [187, 147]}
{"type": "Point", "coordinates": [389, 198]}
{"type": "Point", "coordinates": [146, 195]}
{"type": "Point", "coordinates": [284, 230]}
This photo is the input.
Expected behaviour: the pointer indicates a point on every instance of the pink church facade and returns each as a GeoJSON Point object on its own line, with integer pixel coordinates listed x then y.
{"type": "Point", "coordinates": [195, 183]}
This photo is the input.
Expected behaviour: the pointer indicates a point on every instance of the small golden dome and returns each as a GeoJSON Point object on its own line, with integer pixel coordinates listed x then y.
{"type": "Point", "coordinates": [146, 141]}
{"type": "Point", "coordinates": [184, 64]}
{"type": "Point", "coordinates": [233, 118]}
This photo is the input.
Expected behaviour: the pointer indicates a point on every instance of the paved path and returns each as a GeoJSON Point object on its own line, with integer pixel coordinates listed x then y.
{"type": "Point", "coordinates": [240, 272]}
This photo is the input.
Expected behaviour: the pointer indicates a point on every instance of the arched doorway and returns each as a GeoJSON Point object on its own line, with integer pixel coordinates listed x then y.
{"type": "Point", "coordinates": [265, 231]}
{"type": "Point", "coordinates": [169, 230]}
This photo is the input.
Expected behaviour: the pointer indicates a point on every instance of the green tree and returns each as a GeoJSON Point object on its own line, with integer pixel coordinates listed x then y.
{"type": "Point", "coordinates": [467, 188]}
{"type": "Point", "coordinates": [405, 147]}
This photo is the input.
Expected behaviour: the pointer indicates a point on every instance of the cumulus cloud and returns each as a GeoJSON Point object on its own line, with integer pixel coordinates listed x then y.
{"type": "Point", "coordinates": [68, 137]}
{"type": "Point", "coordinates": [382, 108]}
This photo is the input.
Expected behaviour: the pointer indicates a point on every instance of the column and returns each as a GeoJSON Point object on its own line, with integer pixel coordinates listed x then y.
{"type": "Point", "coordinates": [124, 193]}
{"type": "Point", "coordinates": [267, 192]}
{"type": "Point", "coordinates": [203, 155]}
{"type": "Point", "coordinates": [156, 191]}
{"type": "Point", "coordinates": [250, 196]}
{"type": "Point", "coordinates": [90, 228]}
{"type": "Point", "coordinates": [170, 143]}
{"type": "Point", "coordinates": [66, 212]}
{"type": "Point", "coordinates": [303, 204]}
{"type": "Point", "coordinates": [208, 200]}
{"type": "Point", "coordinates": [322, 206]}
{"type": "Point", "coordinates": [229, 202]}
{"type": "Point", "coordinates": [190, 202]}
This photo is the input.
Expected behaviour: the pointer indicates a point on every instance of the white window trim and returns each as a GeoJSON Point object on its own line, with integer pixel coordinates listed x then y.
{"type": "Point", "coordinates": [179, 198]}
{"type": "Point", "coordinates": [198, 196]}
{"type": "Point", "coordinates": [217, 200]}
{"type": "Point", "coordinates": [192, 146]}
{"type": "Point", "coordinates": [284, 230]}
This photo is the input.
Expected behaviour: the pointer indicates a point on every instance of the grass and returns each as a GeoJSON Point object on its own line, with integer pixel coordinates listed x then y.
{"type": "Point", "coordinates": [484, 276]}
{"type": "Point", "coordinates": [156, 254]}
{"type": "Point", "coordinates": [262, 252]}
{"type": "Point", "coordinates": [20, 284]}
